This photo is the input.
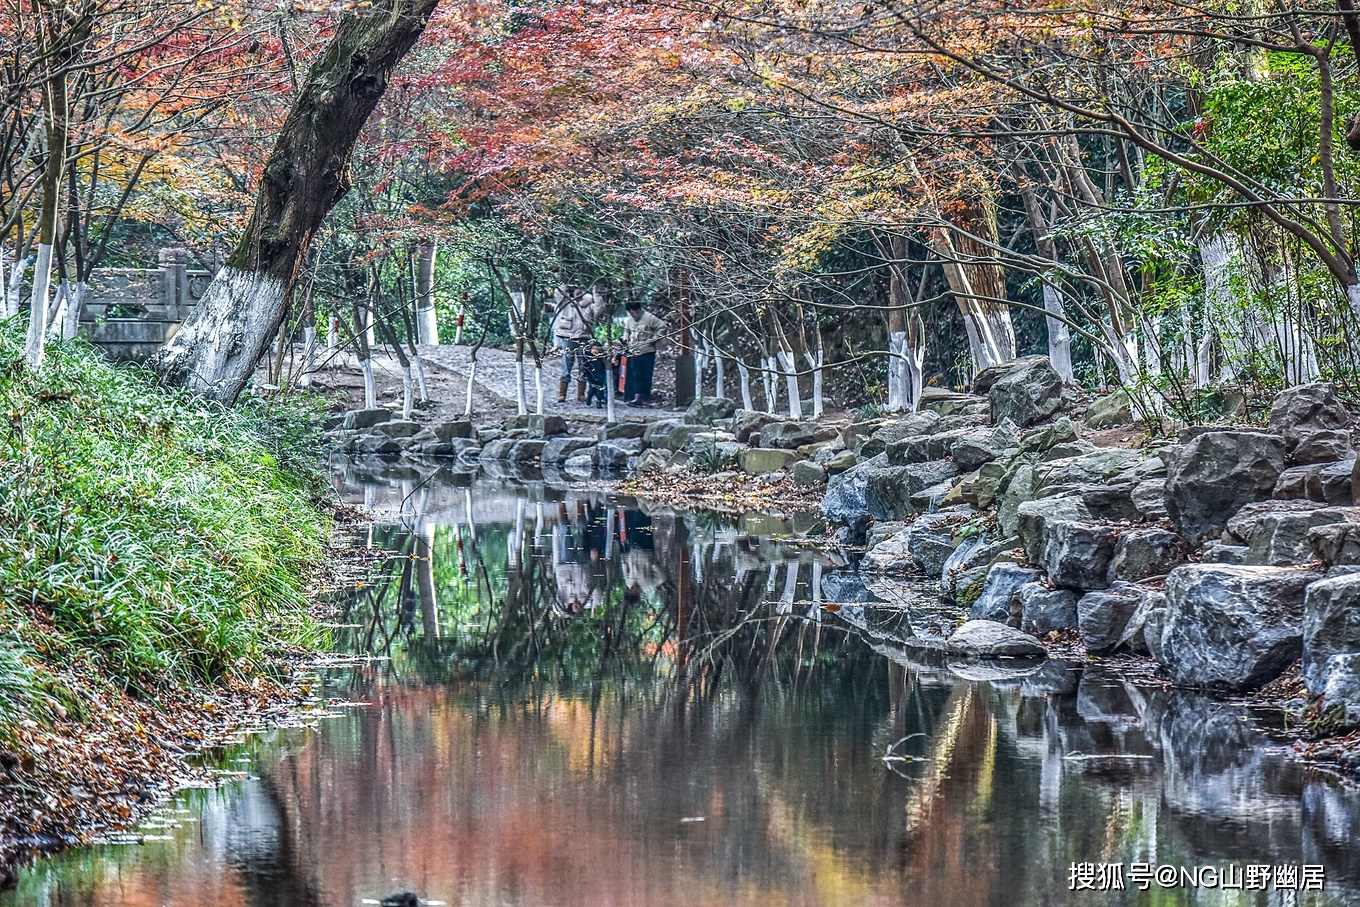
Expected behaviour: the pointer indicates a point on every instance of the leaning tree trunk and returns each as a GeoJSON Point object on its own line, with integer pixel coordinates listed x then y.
{"type": "Point", "coordinates": [215, 352]}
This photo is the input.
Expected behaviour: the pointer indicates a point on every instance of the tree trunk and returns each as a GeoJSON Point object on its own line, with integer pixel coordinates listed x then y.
{"type": "Point", "coordinates": [427, 325]}
{"type": "Point", "coordinates": [55, 116]}
{"type": "Point", "coordinates": [214, 354]}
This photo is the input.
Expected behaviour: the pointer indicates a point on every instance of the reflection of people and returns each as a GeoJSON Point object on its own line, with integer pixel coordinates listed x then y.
{"type": "Point", "coordinates": [641, 332]}
{"type": "Point", "coordinates": [578, 545]}
{"type": "Point", "coordinates": [573, 320]}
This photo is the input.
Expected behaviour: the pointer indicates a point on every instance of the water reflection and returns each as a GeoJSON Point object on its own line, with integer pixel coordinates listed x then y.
{"type": "Point", "coordinates": [582, 700]}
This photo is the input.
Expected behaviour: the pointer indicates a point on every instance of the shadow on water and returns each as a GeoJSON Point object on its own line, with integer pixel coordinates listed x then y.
{"type": "Point", "coordinates": [575, 699]}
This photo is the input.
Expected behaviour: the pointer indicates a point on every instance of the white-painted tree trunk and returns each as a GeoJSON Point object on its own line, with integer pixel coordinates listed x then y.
{"type": "Point", "coordinates": [427, 322]}
{"type": "Point", "coordinates": [75, 307]}
{"type": "Point", "coordinates": [720, 385]}
{"type": "Point", "coordinates": [333, 339]}
{"type": "Point", "coordinates": [790, 367]}
{"type": "Point", "coordinates": [610, 388]}
{"type": "Point", "coordinates": [769, 368]}
{"type": "Point", "coordinates": [370, 386]}
{"type": "Point", "coordinates": [34, 348]}
{"type": "Point", "coordinates": [700, 363]}
{"type": "Point", "coordinates": [815, 363]}
{"type": "Point", "coordinates": [1059, 337]}
{"type": "Point", "coordinates": [471, 380]}
{"type": "Point", "coordinates": [408, 392]}
{"type": "Point", "coordinates": [420, 376]}
{"type": "Point", "coordinates": [897, 371]}
{"type": "Point", "coordinates": [538, 389]}
{"type": "Point", "coordinates": [1152, 348]}
{"type": "Point", "coordinates": [458, 326]}
{"type": "Point", "coordinates": [15, 287]}
{"type": "Point", "coordinates": [521, 400]}
{"type": "Point", "coordinates": [308, 356]}
{"type": "Point", "coordinates": [56, 320]}
{"type": "Point", "coordinates": [1353, 296]}
{"type": "Point", "coordinates": [745, 374]}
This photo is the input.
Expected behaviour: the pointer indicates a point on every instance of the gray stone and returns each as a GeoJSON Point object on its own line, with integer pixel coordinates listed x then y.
{"type": "Point", "coordinates": [889, 555]}
{"type": "Point", "coordinates": [923, 448]}
{"type": "Point", "coordinates": [528, 451]}
{"type": "Point", "coordinates": [455, 428]}
{"type": "Point", "coordinates": [759, 461]}
{"type": "Point", "coordinates": [1340, 689]}
{"type": "Point", "coordinates": [1242, 525]}
{"type": "Point", "coordinates": [1033, 516]}
{"type": "Point", "coordinates": [1280, 539]}
{"type": "Point", "coordinates": [680, 437]}
{"type": "Point", "coordinates": [909, 426]}
{"type": "Point", "coordinates": [653, 461]}
{"type": "Point", "coordinates": [1151, 606]}
{"type": "Point", "coordinates": [397, 428]}
{"type": "Point", "coordinates": [366, 418]}
{"type": "Point", "coordinates": [793, 435]}
{"type": "Point", "coordinates": [1335, 544]}
{"type": "Point", "coordinates": [932, 498]}
{"type": "Point", "coordinates": [948, 403]}
{"type": "Point", "coordinates": [377, 445]}
{"type": "Point", "coordinates": [982, 445]}
{"type": "Point", "coordinates": [1233, 628]}
{"type": "Point", "coordinates": [1307, 407]}
{"type": "Point", "coordinates": [1113, 411]}
{"type": "Point", "coordinates": [1110, 501]}
{"type": "Point", "coordinates": [1078, 554]}
{"type": "Point", "coordinates": [582, 463]}
{"type": "Point", "coordinates": [808, 474]}
{"type": "Point", "coordinates": [971, 552]}
{"type": "Point", "coordinates": [1225, 554]}
{"type": "Point", "coordinates": [882, 531]}
{"type": "Point", "coordinates": [487, 435]}
{"type": "Point", "coordinates": [1322, 445]}
{"type": "Point", "coordinates": [614, 431]}
{"type": "Point", "coordinates": [719, 441]}
{"type": "Point", "coordinates": [1093, 468]}
{"type": "Point", "coordinates": [1215, 474]}
{"type": "Point", "coordinates": [658, 433]}
{"type": "Point", "coordinates": [1003, 582]}
{"type": "Point", "coordinates": [1324, 483]}
{"type": "Point", "coordinates": [1154, 621]}
{"type": "Point", "coordinates": [1015, 488]}
{"type": "Point", "coordinates": [1028, 393]}
{"type": "Point", "coordinates": [1103, 616]}
{"type": "Point", "coordinates": [844, 499]}
{"type": "Point", "coordinates": [746, 421]}
{"type": "Point", "coordinates": [888, 491]}
{"type": "Point", "coordinates": [1149, 498]}
{"type": "Point", "coordinates": [1060, 431]}
{"type": "Point", "coordinates": [1143, 553]}
{"type": "Point", "coordinates": [989, 639]}
{"type": "Point", "coordinates": [1044, 609]}
{"type": "Point", "coordinates": [559, 449]}
{"type": "Point", "coordinates": [1331, 624]}
{"type": "Point", "coordinates": [707, 410]}
{"type": "Point", "coordinates": [615, 454]}
{"type": "Point", "coordinates": [498, 450]}
{"type": "Point", "coordinates": [841, 462]}
{"type": "Point", "coordinates": [932, 540]}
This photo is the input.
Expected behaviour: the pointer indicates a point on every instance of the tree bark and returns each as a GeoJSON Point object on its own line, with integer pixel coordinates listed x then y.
{"type": "Point", "coordinates": [215, 353]}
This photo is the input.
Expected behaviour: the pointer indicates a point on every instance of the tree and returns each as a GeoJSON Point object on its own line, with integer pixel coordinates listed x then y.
{"type": "Point", "coordinates": [216, 351]}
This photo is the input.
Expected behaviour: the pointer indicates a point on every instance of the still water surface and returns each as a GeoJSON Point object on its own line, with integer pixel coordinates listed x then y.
{"type": "Point", "coordinates": [577, 700]}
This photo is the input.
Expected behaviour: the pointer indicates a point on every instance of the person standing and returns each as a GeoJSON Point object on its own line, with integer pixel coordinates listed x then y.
{"type": "Point", "coordinates": [641, 333]}
{"type": "Point", "coordinates": [573, 321]}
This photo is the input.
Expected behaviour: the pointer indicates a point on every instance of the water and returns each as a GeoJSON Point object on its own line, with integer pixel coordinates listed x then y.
{"type": "Point", "coordinates": [576, 700]}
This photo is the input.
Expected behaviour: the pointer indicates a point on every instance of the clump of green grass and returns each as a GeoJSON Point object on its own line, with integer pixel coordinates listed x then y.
{"type": "Point", "coordinates": [147, 536]}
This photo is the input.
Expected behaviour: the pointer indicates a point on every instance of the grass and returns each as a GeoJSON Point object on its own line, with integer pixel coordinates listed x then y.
{"type": "Point", "coordinates": [145, 537]}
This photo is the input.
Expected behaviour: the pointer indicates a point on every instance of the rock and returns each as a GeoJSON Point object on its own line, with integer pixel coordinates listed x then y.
{"type": "Point", "coordinates": [542, 427]}
{"type": "Point", "coordinates": [1332, 483]}
{"type": "Point", "coordinates": [498, 450]}
{"type": "Point", "coordinates": [1029, 392]}
{"type": "Point", "coordinates": [527, 451]}
{"type": "Point", "coordinates": [1152, 612]}
{"type": "Point", "coordinates": [932, 498]}
{"type": "Point", "coordinates": [1003, 582]}
{"type": "Point", "coordinates": [1015, 488]}
{"type": "Point", "coordinates": [1242, 525]}
{"type": "Point", "coordinates": [1322, 445]}
{"type": "Point", "coordinates": [681, 437]}
{"type": "Point", "coordinates": [888, 491]}
{"type": "Point", "coordinates": [1092, 468]}
{"type": "Point", "coordinates": [558, 450]}
{"type": "Point", "coordinates": [889, 555]}
{"type": "Point", "coordinates": [923, 448]}
{"type": "Point", "coordinates": [456, 428]}
{"type": "Point", "coordinates": [1339, 684]}
{"type": "Point", "coordinates": [365, 418]}
{"type": "Point", "coordinates": [375, 445]}
{"type": "Point", "coordinates": [420, 438]}
{"type": "Point", "coordinates": [1113, 411]}
{"type": "Point", "coordinates": [982, 445]}
{"type": "Point", "coordinates": [1215, 474]}
{"type": "Point", "coordinates": [948, 403]}
{"type": "Point", "coordinates": [1060, 431]}
{"type": "Point", "coordinates": [844, 499]}
{"type": "Point", "coordinates": [808, 474]}
{"type": "Point", "coordinates": [1143, 553]}
{"type": "Point", "coordinates": [841, 462]}
{"type": "Point", "coordinates": [987, 377]}
{"type": "Point", "coordinates": [580, 464]}
{"type": "Point", "coordinates": [1280, 539]}
{"type": "Point", "coordinates": [1149, 499]}
{"type": "Point", "coordinates": [882, 531]}
{"type": "Point", "coordinates": [746, 421]}
{"type": "Point", "coordinates": [1103, 616]}
{"type": "Point", "coordinates": [971, 552]}
{"type": "Point", "coordinates": [1111, 501]}
{"type": "Point", "coordinates": [652, 461]}
{"type": "Point", "coordinates": [989, 639]}
{"type": "Point", "coordinates": [1033, 516]}
{"type": "Point", "coordinates": [1233, 628]}
{"type": "Point", "coordinates": [932, 540]}
{"type": "Point", "coordinates": [397, 428]}
{"type": "Point", "coordinates": [909, 426]}
{"type": "Point", "coordinates": [487, 435]}
{"type": "Point", "coordinates": [707, 410]}
{"type": "Point", "coordinates": [614, 431]}
{"type": "Point", "coordinates": [793, 435]}
{"type": "Point", "coordinates": [1331, 624]}
{"type": "Point", "coordinates": [1335, 544]}
{"type": "Point", "coordinates": [1307, 407]}
{"type": "Point", "coordinates": [615, 454]}
{"type": "Point", "coordinates": [1078, 554]}
{"type": "Point", "coordinates": [759, 460]}
{"type": "Point", "coordinates": [1225, 554]}
{"type": "Point", "coordinates": [1044, 609]}
{"type": "Point", "coordinates": [658, 433]}
{"type": "Point", "coordinates": [457, 447]}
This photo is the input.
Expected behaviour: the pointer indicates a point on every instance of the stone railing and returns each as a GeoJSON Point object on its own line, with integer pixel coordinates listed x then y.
{"type": "Point", "coordinates": [131, 312]}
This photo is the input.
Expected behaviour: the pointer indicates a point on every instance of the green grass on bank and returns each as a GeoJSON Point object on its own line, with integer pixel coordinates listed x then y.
{"type": "Point", "coordinates": [145, 537]}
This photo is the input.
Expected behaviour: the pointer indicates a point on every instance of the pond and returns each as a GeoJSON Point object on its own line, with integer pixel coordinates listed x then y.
{"type": "Point", "coordinates": [571, 699]}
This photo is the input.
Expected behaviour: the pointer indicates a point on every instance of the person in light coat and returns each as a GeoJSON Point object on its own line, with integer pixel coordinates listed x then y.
{"type": "Point", "coordinates": [574, 320]}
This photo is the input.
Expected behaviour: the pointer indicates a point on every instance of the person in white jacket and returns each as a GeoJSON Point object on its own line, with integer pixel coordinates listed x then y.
{"type": "Point", "coordinates": [574, 319]}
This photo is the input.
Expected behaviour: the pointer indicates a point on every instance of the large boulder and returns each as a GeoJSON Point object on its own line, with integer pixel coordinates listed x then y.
{"type": "Point", "coordinates": [761, 460]}
{"type": "Point", "coordinates": [1331, 624]}
{"type": "Point", "coordinates": [1305, 408]}
{"type": "Point", "coordinates": [932, 540]}
{"type": "Point", "coordinates": [1242, 525]}
{"type": "Point", "coordinates": [1325, 483]}
{"type": "Point", "coordinates": [366, 418]}
{"type": "Point", "coordinates": [527, 451]}
{"type": "Point", "coordinates": [1322, 445]}
{"type": "Point", "coordinates": [1216, 473]}
{"type": "Point", "coordinates": [983, 445]}
{"type": "Point", "coordinates": [549, 426]}
{"type": "Point", "coordinates": [397, 428]}
{"type": "Point", "coordinates": [844, 500]}
{"type": "Point", "coordinates": [455, 428]}
{"type": "Point", "coordinates": [747, 421]}
{"type": "Point", "coordinates": [616, 454]}
{"type": "Point", "coordinates": [497, 451]}
{"type": "Point", "coordinates": [1233, 628]}
{"type": "Point", "coordinates": [1033, 516]}
{"type": "Point", "coordinates": [793, 435]}
{"type": "Point", "coordinates": [922, 422]}
{"type": "Point", "coordinates": [1281, 539]}
{"type": "Point", "coordinates": [1149, 498]}
{"type": "Point", "coordinates": [923, 448]}
{"type": "Point", "coordinates": [1143, 553]}
{"type": "Point", "coordinates": [1335, 543]}
{"type": "Point", "coordinates": [375, 445]}
{"type": "Point", "coordinates": [1044, 609]}
{"type": "Point", "coordinates": [949, 403]}
{"type": "Point", "coordinates": [989, 639]}
{"type": "Point", "coordinates": [888, 491]}
{"type": "Point", "coordinates": [1002, 584]}
{"type": "Point", "coordinates": [614, 431]}
{"type": "Point", "coordinates": [1114, 411]}
{"type": "Point", "coordinates": [1103, 616]}
{"type": "Point", "coordinates": [808, 474]}
{"type": "Point", "coordinates": [658, 433]}
{"type": "Point", "coordinates": [1339, 685]}
{"type": "Point", "coordinates": [1040, 440]}
{"type": "Point", "coordinates": [890, 554]}
{"type": "Point", "coordinates": [558, 450]}
{"type": "Point", "coordinates": [707, 410]}
{"type": "Point", "coordinates": [1095, 467]}
{"type": "Point", "coordinates": [1029, 392]}
{"type": "Point", "coordinates": [1077, 554]}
